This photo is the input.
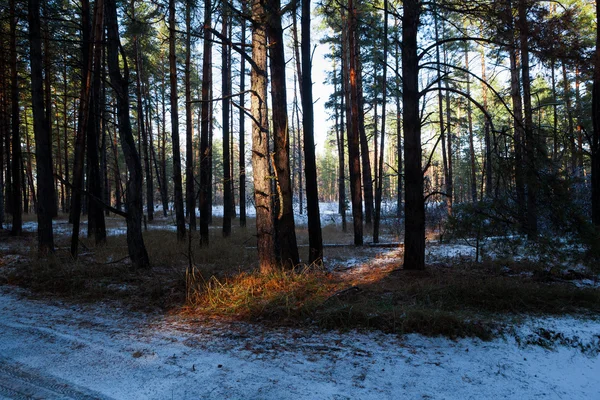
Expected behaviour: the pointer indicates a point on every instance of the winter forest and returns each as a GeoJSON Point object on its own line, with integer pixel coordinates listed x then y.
{"type": "Point", "coordinates": [398, 166]}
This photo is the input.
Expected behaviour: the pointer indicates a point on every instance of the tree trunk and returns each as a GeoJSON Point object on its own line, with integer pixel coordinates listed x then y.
{"type": "Point", "coordinates": [96, 223]}
{"type": "Point", "coordinates": [351, 91]}
{"type": "Point", "coordinates": [242, 155]}
{"type": "Point", "coordinates": [399, 120]}
{"type": "Point", "coordinates": [379, 193]}
{"type": "Point", "coordinates": [414, 242]}
{"type": "Point", "coordinates": [205, 149]}
{"type": "Point", "coordinates": [596, 126]}
{"type": "Point", "coordinates": [487, 139]}
{"type": "Point", "coordinates": [190, 194]}
{"type": "Point", "coordinates": [177, 184]}
{"type": "Point", "coordinates": [225, 111]}
{"type": "Point", "coordinates": [16, 205]}
{"type": "Point", "coordinates": [530, 136]}
{"type": "Point", "coordinates": [142, 127]}
{"type": "Point", "coordinates": [43, 144]}
{"type": "Point", "coordinates": [265, 229]}
{"type": "Point", "coordinates": [339, 133]}
{"type": "Point", "coordinates": [83, 118]}
{"type": "Point", "coordinates": [470, 122]}
{"type": "Point", "coordinates": [135, 240]}
{"type": "Point", "coordinates": [284, 222]}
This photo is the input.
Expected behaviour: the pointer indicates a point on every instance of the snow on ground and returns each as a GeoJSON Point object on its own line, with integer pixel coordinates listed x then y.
{"type": "Point", "coordinates": [101, 352]}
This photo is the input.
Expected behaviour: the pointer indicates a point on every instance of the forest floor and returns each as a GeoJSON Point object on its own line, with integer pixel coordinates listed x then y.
{"type": "Point", "coordinates": [202, 324]}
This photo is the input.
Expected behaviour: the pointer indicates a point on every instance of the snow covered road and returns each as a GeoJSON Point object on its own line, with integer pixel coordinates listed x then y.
{"type": "Point", "coordinates": [54, 350]}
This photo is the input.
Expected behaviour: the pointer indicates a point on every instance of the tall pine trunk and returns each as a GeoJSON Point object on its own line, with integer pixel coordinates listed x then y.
{"type": "Point", "coordinates": [379, 174]}
{"type": "Point", "coordinates": [225, 126]}
{"type": "Point", "coordinates": [414, 242]}
{"type": "Point", "coordinates": [351, 91]}
{"type": "Point", "coordinates": [177, 184]}
{"type": "Point", "coordinates": [285, 226]}
{"type": "Point", "coordinates": [135, 241]}
{"type": "Point", "coordinates": [265, 229]}
{"type": "Point", "coordinates": [16, 205]}
{"type": "Point", "coordinates": [190, 194]}
{"type": "Point", "coordinates": [242, 152]}
{"type": "Point", "coordinates": [43, 142]}
{"type": "Point", "coordinates": [205, 149]}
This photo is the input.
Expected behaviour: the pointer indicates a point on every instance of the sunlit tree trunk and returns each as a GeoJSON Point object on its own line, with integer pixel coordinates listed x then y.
{"type": "Point", "coordinates": [285, 226]}
{"type": "Point", "coordinates": [351, 91]}
{"type": "Point", "coordinates": [265, 229]}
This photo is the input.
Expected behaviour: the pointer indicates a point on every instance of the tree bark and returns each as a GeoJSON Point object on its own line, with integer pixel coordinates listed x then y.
{"type": "Point", "coordinates": [351, 90]}
{"type": "Point", "coordinates": [43, 143]}
{"type": "Point", "coordinates": [530, 135]}
{"type": "Point", "coordinates": [205, 149]}
{"type": "Point", "coordinates": [470, 122]}
{"type": "Point", "coordinates": [242, 155]}
{"type": "Point", "coordinates": [379, 186]}
{"type": "Point", "coordinates": [16, 205]}
{"type": "Point", "coordinates": [414, 242]}
{"type": "Point", "coordinates": [177, 184]}
{"type": "Point", "coordinates": [596, 126]}
{"type": "Point", "coordinates": [284, 222]}
{"type": "Point", "coordinates": [190, 194]}
{"type": "Point", "coordinates": [135, 241]}
{"type": "Point", "coordinates": [225, 111]}
{"type": "Point", "coordinates": [265, 229]}
{"type": "Point", "coordinates": [96, 223]}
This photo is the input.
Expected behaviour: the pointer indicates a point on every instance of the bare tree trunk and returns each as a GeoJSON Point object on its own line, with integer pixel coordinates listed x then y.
{"type": "Point", "coordinates": [339, 133]}
{"type": "Point", "coordinates": [379, 186]}
{"type": "Point", "coordinates": [447, 177]}
{"type": "Point", "coordinates": [142, 127]}
{"type": "Point", "coordinates": [16, 206]}
{"type": "Point", "coordinates": [470, 122]}
{"type": "Point", "coordinates": [135, 240]}
{"type": "Point", "coordinates": [190, 194]}
{"type": "Point", "coordinates": [399, 120]}
{"type": "Point", "coordinates": [315, 253]}
{"type": "Point", "coordinates": [284, 221]}
{"type": "Point", "coordinates": [164, 194]}
{"type": "Point", "coordinates": [351, 91]}
{"type": "Point", "coordinates": [596, 126]}
{"type": "Point", "coordinates": [43, 144]}
{"type": "Point", "coordinates": [242, 155]}
{"type": "Point", "coordinates": [225, 111]}
{"type": "Point", "coordinates": [83, 119]}
{"type": "Point", "coordinates": [96, 223]}
{"type": "Point", "coordinates": [488, 142]}
{"type": "Point", "coordinates": [205, 149]}
{"type": "Point", "coordinates": [530, 135]}
{"type": "Point", "coordinates": [414, 242]}
{"type": "Point", "coordinates": [177, 184]}
{"type": "Point", "coordinates": [265, 229]}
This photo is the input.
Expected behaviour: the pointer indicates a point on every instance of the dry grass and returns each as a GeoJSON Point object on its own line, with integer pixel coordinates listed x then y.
{"type": "Point", "coordinates": [456, 300]}
{"type": "Point", "coordinates": [282, 296]}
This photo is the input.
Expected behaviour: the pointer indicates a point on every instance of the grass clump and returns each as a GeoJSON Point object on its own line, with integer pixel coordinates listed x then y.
{"type": "Point", "coordinates": [281, 295]}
